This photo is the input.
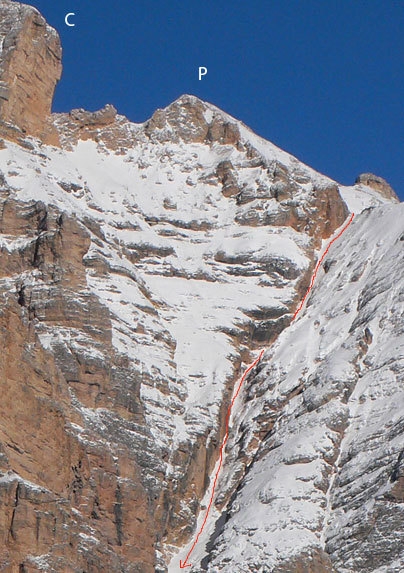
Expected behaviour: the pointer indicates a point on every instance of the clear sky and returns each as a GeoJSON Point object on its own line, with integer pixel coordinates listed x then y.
{"type": "Point", "coordinates": [322, 79]}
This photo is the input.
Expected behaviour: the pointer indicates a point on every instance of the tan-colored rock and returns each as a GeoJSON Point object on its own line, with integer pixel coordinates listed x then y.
{"type": "Point", "coordinates": [310, 562]}
{"type": "Point", "coordinates": [104, 116]}
{"type": "Point", "coordinates": [188, 119]}
{"type": "Point", "coordinates": [226, 177]}
{"type": "Point", "coordinates": [111, 131]}
{"type": "Point", "coordinates": [63, 493]}
{"type": "Point", "coordinates": [30, 67]}
{"type": "Point", "coordinates": [378, 184]}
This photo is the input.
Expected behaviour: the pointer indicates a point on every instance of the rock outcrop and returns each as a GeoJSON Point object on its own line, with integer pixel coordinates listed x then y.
{"type": "Point", "coordinates": [65, 494]}
{"type": "Point", "coordinates": [377, 183]}
{"type": "Point", "coordinates": [30, 66]}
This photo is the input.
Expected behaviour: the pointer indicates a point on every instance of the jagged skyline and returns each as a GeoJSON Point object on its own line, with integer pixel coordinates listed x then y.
{"type": "Point", "coordinates": [322, 80]}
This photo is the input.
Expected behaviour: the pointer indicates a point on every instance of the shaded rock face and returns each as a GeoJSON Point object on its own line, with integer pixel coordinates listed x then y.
{"type": "Point", "coordinates": [63, 496]}
{"type": "Point", "coordinates": [104, 116]}
{"type": "Point", "coordinates": [80, 124]}
{"type": "Point", "coordinates": [30, 66]}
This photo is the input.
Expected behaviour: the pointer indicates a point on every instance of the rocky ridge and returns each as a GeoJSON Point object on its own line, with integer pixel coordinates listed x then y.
{"type": "Point", "coordinates": [141, 265]}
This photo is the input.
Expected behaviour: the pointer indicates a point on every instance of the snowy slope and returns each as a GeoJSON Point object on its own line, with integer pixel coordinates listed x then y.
{"type": "Point", "coordinates": [199, 303]}
{"type": "Point", "coordinates": [324, 484]}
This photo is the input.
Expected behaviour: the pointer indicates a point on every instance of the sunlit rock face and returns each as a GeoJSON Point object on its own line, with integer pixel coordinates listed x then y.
{"type": "Point", "coordinates": [377, 183]}
{"type": "Point", "coordinates": [142, 266]}
{"type": "Point", "coordinates": [30, 66]}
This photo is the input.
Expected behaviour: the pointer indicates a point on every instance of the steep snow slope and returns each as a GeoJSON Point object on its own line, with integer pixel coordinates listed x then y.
{"type": "Point", "coordinates": [324, 491]}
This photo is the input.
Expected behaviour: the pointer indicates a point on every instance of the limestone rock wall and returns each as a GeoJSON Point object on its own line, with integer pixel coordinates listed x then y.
{"type": "Point", "coordinates": [30, 66]}
{"type": "Point", "coordinates": [66, 492]}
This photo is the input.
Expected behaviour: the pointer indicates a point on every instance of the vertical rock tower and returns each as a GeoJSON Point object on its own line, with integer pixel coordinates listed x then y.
{"type": "Point", "coordinates": [30, 67]}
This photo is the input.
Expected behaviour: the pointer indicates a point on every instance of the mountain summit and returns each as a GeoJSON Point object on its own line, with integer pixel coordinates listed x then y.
{"type": "Point", "coordinates": [143, 267]}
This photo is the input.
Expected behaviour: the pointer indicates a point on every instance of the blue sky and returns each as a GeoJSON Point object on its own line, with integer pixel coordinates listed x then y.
{"type": "Point", "coordinates": [322, 79]}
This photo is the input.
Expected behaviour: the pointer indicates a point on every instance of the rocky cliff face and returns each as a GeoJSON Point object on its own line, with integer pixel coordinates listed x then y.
{"type": "Point", "coordinates": [30, 66]}
{"type": "Point", "coordinates": [142, 266]}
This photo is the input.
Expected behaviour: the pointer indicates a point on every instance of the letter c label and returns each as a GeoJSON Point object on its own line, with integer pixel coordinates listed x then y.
{"type": "Point", "coordinates": [67, 22]}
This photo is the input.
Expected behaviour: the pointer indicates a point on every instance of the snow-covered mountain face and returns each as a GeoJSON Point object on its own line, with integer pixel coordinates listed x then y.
{"type": "Point", "coordinates": [142, 267]}
{"type": "Point", "coordinates": [324, 490]}
{"type": "Point", "coordinates": [150, 275]}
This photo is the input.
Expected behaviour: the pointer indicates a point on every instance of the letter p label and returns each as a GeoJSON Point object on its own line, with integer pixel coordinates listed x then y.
{"type": "Point", "coordinates": [202, 72]}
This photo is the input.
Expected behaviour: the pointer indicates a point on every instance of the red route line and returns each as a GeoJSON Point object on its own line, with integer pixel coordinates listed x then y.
{"type": "Point", "coordinates": [184, 564]}
{"type": "Point", "coordinates": [318, 265]}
